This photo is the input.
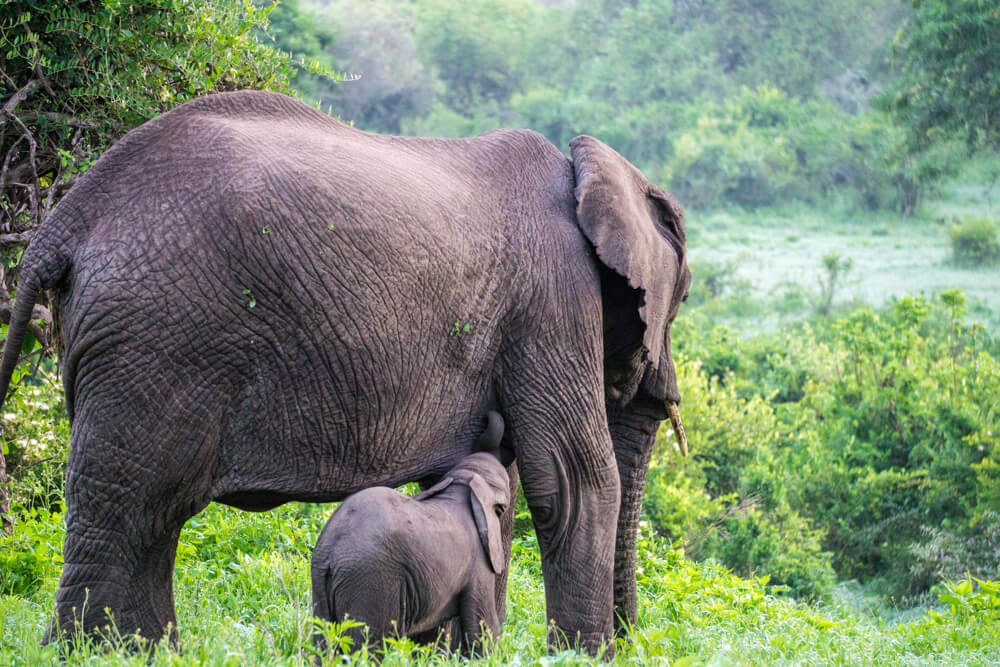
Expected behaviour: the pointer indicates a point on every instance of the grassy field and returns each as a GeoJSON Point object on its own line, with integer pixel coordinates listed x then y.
{"type": "Point", "coordinates": [243, 598]}
{"type": "Point", "coordinates": [778, 253]}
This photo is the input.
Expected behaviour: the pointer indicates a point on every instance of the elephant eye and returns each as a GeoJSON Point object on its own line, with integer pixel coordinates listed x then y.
{"type": "Point", "coordinates": [499, 509]}
{"type": "Point", "coordinates": [684, 298]}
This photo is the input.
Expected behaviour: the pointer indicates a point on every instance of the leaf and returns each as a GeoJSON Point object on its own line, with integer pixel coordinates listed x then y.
{"type": "Point", "coordinates": [689, 661]}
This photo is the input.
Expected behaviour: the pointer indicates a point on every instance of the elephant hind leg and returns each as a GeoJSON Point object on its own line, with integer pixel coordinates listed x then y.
{"type": "Point", "coordinates": [110, 589]}
{"type": "Point", "coordinates": [124, 516]}
{"type": "Point", "coordinates": [373, 606]}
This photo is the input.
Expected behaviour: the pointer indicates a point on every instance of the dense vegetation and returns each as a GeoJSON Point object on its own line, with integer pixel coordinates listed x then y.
{"type": "Point", "coordinates": [725, 103]}
{"type": "Point", "coordinates": [845, 458]}
{"type": "Point", "coordinates": [848, 447]}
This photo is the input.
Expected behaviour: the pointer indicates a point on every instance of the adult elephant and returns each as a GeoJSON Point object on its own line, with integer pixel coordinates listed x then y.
{"type": "Point", "coordinates": [260, 304]}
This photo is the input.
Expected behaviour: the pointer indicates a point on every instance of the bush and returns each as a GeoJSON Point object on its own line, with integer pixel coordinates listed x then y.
{"type": "Point", "coordinates": [33, 554]}
{"type": "Point", "coordinates": [142, 57]}
{"type": "Point", "coordinates": [869, 445]}
{"type": "Point", "coordinates": [974, 241]}
{"type": "Point", "coordinates": [726, 502]}
{"type": "Point", "coordinates": [36, 443]}
{"type": "Point", "coordinates": [971, 550]}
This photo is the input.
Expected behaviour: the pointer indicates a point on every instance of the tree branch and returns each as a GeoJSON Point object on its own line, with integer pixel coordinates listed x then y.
{"type": "Point", "coordinates": [66, 119]}
{"type": "Point", "coordinates": [17, 238]}
{"type": "Point", "coordinates": [19, 97]}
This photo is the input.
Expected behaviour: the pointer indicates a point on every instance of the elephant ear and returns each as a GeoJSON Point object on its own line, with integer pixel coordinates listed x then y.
{"type": "Point", "coordinates": [637, 230]}
{"type": "Point", "coordinates": [483, 499]}
{"type": "Point", "coordinates": [434, 490]}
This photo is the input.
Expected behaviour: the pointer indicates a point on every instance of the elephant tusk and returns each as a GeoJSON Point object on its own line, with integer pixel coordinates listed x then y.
{"type": "Point", "coordinates": [675, 421]}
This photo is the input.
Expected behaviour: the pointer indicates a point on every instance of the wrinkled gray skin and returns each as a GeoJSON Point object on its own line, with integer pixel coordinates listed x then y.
{"type": "Point", "coordinates": [405, 566]}
{"type": "Point", "coordinates": [260, 304]}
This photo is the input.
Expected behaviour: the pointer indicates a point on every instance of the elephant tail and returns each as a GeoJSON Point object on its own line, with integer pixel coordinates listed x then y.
{"type": "Point", "coordinates": [491, 436]}
{"type": "Point", "coordinates": [46, 261]}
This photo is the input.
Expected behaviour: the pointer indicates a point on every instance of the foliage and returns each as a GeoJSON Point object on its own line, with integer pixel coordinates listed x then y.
{"type": "Point", "coordinates": [835, 269]}
{"type": "Point", "coordinates": [767, 109]}
{"type": "Point", "coordinates": [304, 34]}
{"type": "Point", "coordinates": [867, 444]}
{"type": "Point", "coordinates": [948, 82]}
{"type": "Point", "coordinates": [141, 57]}
{"type": "Point", "coordinates": [952, 553]}
{"type": "Point", "coordinates": [253, 607]}
{"type": "Point", "coordinates": [973, 599]}
{"type": "Point", "coordinates": [375, 45]}
{"type": "Point", "coordinates": [725, 501]}
{"type": "Point", "coordinates": [480, 50]}
{"type": "Point", "coordinates": [763, 146]}
{"type": "Point", "coordinates": [31, 555]}
{"type": "Point", "coordinates": [974, 241]}
{"type": "Point", "coordinates": [35, 441]}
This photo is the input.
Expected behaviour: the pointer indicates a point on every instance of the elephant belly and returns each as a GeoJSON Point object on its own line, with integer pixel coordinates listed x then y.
{"type": "Point", "coordinates": [319, 429]}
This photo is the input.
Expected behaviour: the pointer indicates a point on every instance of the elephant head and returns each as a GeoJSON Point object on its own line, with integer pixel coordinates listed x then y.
{"type": "Point", "coordinates": [489, 496]}
{"type": "Point", "coordinates": [637, 230]}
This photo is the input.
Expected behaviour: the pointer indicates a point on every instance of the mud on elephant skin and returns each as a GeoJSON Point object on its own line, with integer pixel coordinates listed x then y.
{"type": "Point", "coordinates": [408, 566]}
{"type": "Point", "coordinates": [261, 304]}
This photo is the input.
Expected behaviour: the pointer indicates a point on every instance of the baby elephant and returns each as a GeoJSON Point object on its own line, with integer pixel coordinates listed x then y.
{"type": "Point", "coordinates": [406, 566]}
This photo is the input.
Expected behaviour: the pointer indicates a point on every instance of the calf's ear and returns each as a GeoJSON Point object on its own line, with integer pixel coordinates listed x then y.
{"type": "Point", "coordinates": [434, 490]}
{"type": "Point", "coordinates": [482, 499]}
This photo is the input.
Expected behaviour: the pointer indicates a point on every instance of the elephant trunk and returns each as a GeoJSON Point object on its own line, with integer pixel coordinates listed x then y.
{"type": "Point", "coordinates": [633, 436]}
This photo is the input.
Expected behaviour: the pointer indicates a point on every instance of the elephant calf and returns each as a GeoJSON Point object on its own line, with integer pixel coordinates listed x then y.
{"type": "Point", "coordinates": [407, 566]}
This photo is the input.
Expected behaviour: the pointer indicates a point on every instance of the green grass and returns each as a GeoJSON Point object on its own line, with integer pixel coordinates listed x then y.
{"type": "Point", "coordinates": [242, 589]}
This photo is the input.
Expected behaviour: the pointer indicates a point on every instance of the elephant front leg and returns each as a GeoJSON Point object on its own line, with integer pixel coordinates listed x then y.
{"type": "Point", "coordinates": [570, 481]}
{"type": "Point", "coordinates": [477, 626]}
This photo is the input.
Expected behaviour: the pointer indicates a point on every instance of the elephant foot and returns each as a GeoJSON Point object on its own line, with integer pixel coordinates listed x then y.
{"type": "Point", "coordinates": [125, 604]}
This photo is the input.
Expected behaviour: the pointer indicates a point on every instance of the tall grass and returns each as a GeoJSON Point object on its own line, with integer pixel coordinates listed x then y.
{"type": "Point", "coordinates": [242, 588]}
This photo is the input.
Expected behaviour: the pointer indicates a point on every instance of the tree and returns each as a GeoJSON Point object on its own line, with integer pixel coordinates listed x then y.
{"type": "Point", "coordinates": [480, 50]}
{"type": "Point", "coordinates": [949, 82]}
{"type": "Point", "coordinates": [76, 75]}
{"type": "Point", "coordinates": [375, 43]}
{"type": "Point", "coordinates": [304, 32]}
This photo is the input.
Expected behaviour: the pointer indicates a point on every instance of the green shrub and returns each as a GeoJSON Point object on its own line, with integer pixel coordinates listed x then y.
{"type": "Point", "coordinates": [870, 445]}
{"type": "Point", "coordinates": [973, 599]}
{"type": "Point", "coordinates": [951, 554]}
{"type": "Point", "coordinates": [33, 553]}
{"type": "Point", "coordinates": [974, 241]}
{"type": "Point", "coordinates": [726, 502]}
{"type": "Point", "coordinates": [36, 442]}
